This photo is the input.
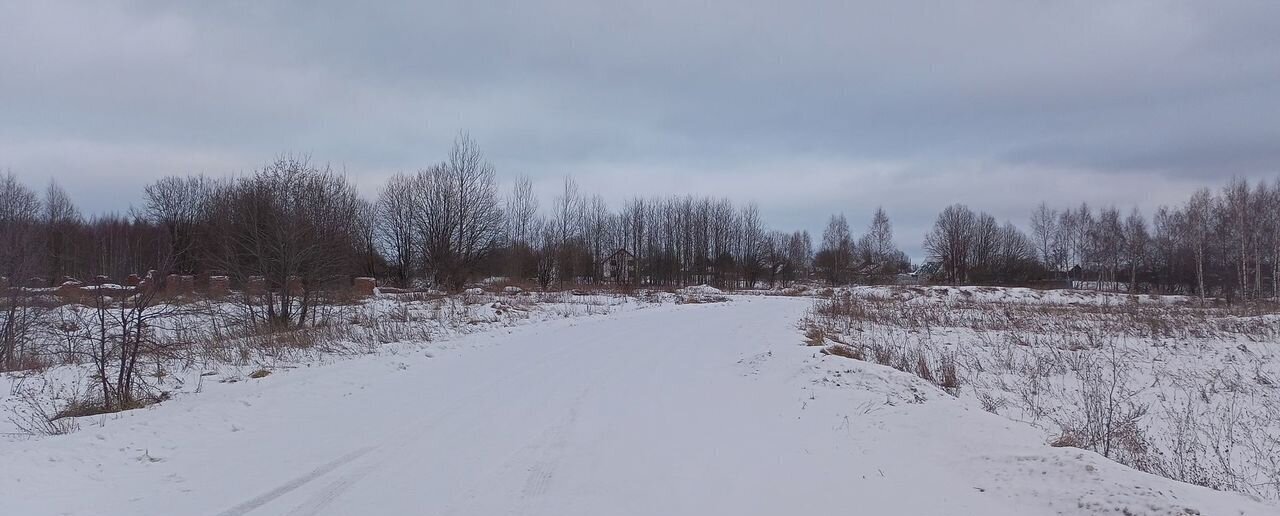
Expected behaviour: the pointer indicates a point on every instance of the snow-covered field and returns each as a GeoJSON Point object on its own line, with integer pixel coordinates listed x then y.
{"type": "Point", "coordinates": [208, 342]}
{"type": "Point", "coordinates": [699, 408]}
{"type": "Point", "coordinates": [1158, 383]}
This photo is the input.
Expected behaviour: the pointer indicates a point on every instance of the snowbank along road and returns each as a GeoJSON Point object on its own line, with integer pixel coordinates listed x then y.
{"type": "Point", "coordinates": [691, 409]}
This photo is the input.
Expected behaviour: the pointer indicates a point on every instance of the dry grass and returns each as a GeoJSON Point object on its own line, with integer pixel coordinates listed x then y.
{"type": "Point", "coordinates": [814, 336]}
{"type": "Point", "coordinates": [936, 367]}
{"type": "Point", "coordinates": [206, 336]}
{"type": "Point", "coordinates": [844, 350]}
{"type": "Point", "coordinates": [1171, 388]}
{"type": "Point", "coordinates": [1129, 319]}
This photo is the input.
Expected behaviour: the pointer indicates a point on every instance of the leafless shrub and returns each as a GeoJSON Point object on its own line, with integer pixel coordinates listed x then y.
{"type": "Point", "coordinates": [46, 409]}
{"type": "Point", "coordinates": [1180, 457]}
{"type": "Point", "coordinates": [815, 336]}
{"type": "Point", "coordinates": [923, 370]}
{"type": "Point", "coordinates": [950, 376]}
{"type": "Point", "coordinates": [899, 353]}
{"type": "Point", "coordinates": [991, 403]}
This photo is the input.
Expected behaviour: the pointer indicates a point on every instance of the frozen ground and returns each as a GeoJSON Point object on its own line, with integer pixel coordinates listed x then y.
{"type": "Point", "coordinates": [692, 409]}
{"type": "Point", "coordinates": [1162, 384]}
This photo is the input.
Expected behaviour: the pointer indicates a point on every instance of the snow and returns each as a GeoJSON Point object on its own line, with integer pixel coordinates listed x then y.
{"type": "Point", "coordinates": [388, 323]}
{"type": "Point", "coordinates": [675, 409]}
{"type": "Point", "coordinates": [975, 294]}
{"type": "Point", "coordinates": [700, 290]}
{"type": "Point", "coordinates": [700, 294]}
{"type": "Point", "coordinates": [1185, 391]}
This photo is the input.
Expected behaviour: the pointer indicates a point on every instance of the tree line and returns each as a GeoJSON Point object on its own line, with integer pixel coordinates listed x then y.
{"type": "Point", "coordinates": [1223, 244]}
{"type": "Point", "coordinates": [293, 223]}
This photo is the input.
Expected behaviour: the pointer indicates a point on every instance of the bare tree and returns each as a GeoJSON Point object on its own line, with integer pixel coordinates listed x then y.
{"type": "Point", "coordinates": [1136, 239]}
{"type": "Point", "coordinates": [19, 244]}
{"type": "Point", "coordinates": [879, 245]}
{"type": "Point", "coordinates": [634, 226]}
{"type": "Point", "coordinates": [458, 215]}
{"type": "Point", "coordinates": [951, 240]}
{"type": "Point", "coordinates": [291, 224]}
{"type": "Point", "coordinates": [61, 220]}
{"type": "Point", "coordinates": [721, 233]}
{"type": "Point", "coordinates": [1199, 222]}
{"type": "Point", "coordinates": [522, 209]}
{"type": "Point", "coordinates": [396, 211]}
{"type": "Point", "coordinates": [1168, 226]}
{"type": "Point", "coordinates": [479, 219]}
{"type": "Point", "coordinates": [522, 232]}
{"type": "Point", "coordinates": [1106, 240]}
{"type": "Point", "coordinates": [568, 223]}
{"type": "Point", "coordinates": [1238, 217]}
{"type": "Point", "coordinates": [175, 203]}
{"type": "Point", "coordinates": [1044, 230]}
{"type": "Point", "coordinates": [984, 247]}
{"type": "Point", "coordinates": [836, 254]}
{"type": "Point", "coordinates": [1016, 255]}
{"type": "Point", "coordinates": [115, 335]}
{"type": "Point", "coordinates": [1068, 222]}
{"type": "Point", "coordinates": [545, 252]}
{"type": "Point", "coordinates": [1271, 209]}
{"type": "Point", "coordinates": [1080, 238]}
{"type": "Point", "coordinates": [1263, 206]}
{"type": "Point", "coordinates": [751, 245]}
{"type": "Point", "coordinates": [596, 226]}
{"type": "Point", "coordinates": [800, 252]}
{"type": "Point", "coordinates": [365, 238]}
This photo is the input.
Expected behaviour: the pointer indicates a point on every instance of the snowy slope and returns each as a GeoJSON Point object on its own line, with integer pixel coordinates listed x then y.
{"type": "Point", "coordinates": [691, 409]}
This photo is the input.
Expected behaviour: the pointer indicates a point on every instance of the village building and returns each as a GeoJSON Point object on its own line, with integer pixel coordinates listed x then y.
{"type": "Point", "coordinates": [620, 267]}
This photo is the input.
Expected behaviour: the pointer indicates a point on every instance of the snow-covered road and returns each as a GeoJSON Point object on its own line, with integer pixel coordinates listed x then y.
{"type": "Point", "coordinates": [692, 409]}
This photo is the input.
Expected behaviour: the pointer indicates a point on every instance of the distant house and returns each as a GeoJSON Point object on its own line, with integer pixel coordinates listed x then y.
{"type": "Point", "coordinates": [928, 271]}
{"type": "Point", "coordinates": [620, 267]}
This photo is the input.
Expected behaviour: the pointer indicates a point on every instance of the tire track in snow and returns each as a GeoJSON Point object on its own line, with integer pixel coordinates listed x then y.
{"type": "Point", "coordinates": [540, 459]}
{"type": "Point", "coordinates": [544, 470]}
{"type": "Point", "coordinates": [390, 451]}
{"type": "Point", "coordinates": [288, 487]}
{"type": "Point", "coordinates": [317, 502]}
{"type": "Point", "coordinates": [556, 442]}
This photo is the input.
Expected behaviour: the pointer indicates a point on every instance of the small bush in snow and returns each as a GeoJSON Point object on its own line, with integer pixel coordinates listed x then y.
{"type": "Point", "coordinates": [814, 336]}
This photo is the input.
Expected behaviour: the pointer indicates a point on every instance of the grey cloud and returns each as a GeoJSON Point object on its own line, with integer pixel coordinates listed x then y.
{"type": "Point", "coordinates": [908, 104]}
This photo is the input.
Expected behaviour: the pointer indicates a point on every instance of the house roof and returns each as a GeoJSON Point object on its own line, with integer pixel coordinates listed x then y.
{"type": "Point", "coordinates": [621, 251]}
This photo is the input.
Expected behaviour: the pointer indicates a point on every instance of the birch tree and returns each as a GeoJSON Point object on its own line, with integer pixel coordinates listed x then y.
{"type": "Point", "coordinates": [836, 254]}
{"type": "Point", "coordinates": [1199, 221]}
{"type": "Point", "coordinates": [1044, 231]}
{"type": "Point", "coordinates": [1136, 240]}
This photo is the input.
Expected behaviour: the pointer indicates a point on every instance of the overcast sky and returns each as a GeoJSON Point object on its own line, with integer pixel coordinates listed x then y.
{"type": "Point", "coordinates": [808, 108]}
